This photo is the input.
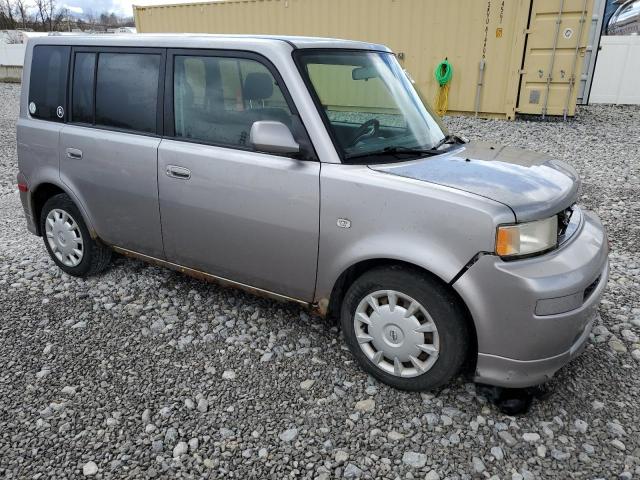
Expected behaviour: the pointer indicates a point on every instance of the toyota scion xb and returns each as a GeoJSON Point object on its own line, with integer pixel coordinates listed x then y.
{"type": "Point", "coordinates": [311, 170]}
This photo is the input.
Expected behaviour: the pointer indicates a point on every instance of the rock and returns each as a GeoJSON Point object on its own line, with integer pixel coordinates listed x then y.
{"type": "Point", "coordinates": [432, 475]}
{"type": "Point", "coordinates": [180, 449]}
{"type": "Point", "coordinates": [307, 384]}
{"type": "Point", "coordinates": [531, 437]}
{"type": "Point", "coordinates": [188, 403]}
{"type": "Point", "coordinates": [262, 453]}
{"type": "Point", "coordinates": [193, 444]}
{"type": "Point", "coordinates": [596, 405]}
{"type": "Point", "coordinates": [497, 453]}
{"type": "Point", "coordinates": [171, 435]}
{"type": "Point", "coordinates": [366, 406]}
{"type": "Point", "coordinates": [371, 390]}
{"type": "Point", "coordinates": [617, 346]}
{"type": "Point", "coordinates": [395, 436]}
{"type": "Point", "coordinates": [478, 465]}
{"type": "Point", "coordinates": [79, 325]}
{"type": "Point", "coordinates": [507, 438]}
{"type": "Point", "coordinates": [203, 405]}
{"type": "Point", "coordinates": [618, 444]}
{"type": "Point", "coordinates": [89, 469]}
{"type": "Point", "coordinates": [581, 426]}
{"type": "Point", "coordinates": [229, 375]}
{"type": "Point", "coordinates": [616, 429]}
{"type": "Point", "coordinates": [146, 416]}
{"type": "Point", "coordinates": [157, 326]}
{"type": "Point", "coordinates": [341, 456]}
{"type": "Point", "coordinates": [68, 390]}
{"type": "Point", "coordinates": [629, 336]}
{"type": "Point", "coordinates": [560, 455]}
{"type": "Point", "coordinates": [541, 450]}
{"type": "Point", "coordinates": [352, 471]}
{"type": "Point", "coordinates": [266, 357]}
{"type": "Point", "coordinates": [414, 459]}
{"type": "Point", "coordinates": [635, 354]}
{"type": "Point", "coordinates": [289, 435]}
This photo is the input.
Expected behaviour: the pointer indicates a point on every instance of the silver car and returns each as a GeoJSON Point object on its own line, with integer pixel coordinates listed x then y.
{"type": "Point", "coordinates": [311, 170]}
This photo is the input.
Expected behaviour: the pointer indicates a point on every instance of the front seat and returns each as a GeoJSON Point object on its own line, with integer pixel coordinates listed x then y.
{"type": "Point", "coordinates": [257, 88]}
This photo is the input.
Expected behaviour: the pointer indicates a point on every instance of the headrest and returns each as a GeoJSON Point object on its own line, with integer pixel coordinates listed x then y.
{"type": "Point", "coordinates": [258, 86]}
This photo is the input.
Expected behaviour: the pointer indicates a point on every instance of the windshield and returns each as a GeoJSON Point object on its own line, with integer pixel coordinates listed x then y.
{"type": "Point", "coordinates": [369, 103]}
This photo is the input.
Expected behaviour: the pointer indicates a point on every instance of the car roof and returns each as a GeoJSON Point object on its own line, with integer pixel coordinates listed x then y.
{"type": "Point", "coordinates": [190, 40]}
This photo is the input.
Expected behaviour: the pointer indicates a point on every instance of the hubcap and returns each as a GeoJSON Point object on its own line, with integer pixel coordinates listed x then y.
{"type": "Point", "coordinates": [64, 237]}
{"type": "Point", "coordinates": [396, 333]}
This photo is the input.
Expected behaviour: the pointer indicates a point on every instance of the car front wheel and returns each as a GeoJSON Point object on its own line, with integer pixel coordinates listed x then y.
{"type": "Point", "coordinates": [405, 328]}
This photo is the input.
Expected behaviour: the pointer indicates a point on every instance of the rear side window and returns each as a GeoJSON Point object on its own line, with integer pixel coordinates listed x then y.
{"type": "Point", "coordinates": [48, 82]}
{"type": "Point", "coordinates": [84, 69]}
{"type": "Point", "coordinates": [127, 91]}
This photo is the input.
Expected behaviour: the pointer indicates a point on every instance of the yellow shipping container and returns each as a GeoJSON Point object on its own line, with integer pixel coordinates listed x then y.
{"type": "Point", "coordinates": [508, 56]}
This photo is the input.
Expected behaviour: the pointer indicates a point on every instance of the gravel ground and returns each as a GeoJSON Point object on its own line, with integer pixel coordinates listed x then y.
{"type": "Point", "coordinates": [142, 372]}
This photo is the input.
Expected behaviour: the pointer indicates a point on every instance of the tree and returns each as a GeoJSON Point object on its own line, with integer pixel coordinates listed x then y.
{"type": "Point", "coordinates": [49, 16]}
{"type": "Point", "coordinates": [7, 20]}
{"type": "Point", "coordinates": [22, 11]}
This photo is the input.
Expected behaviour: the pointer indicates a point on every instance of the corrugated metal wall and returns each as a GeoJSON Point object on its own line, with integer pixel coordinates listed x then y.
{"type": "Point", "coordinates": [421, 32]}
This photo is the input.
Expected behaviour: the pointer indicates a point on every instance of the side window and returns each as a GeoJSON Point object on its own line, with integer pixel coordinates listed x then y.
{"type": "Point", "coordinates": [84, 69]}
{"type": "Point", "coordinates": [48, 82]}
{"type": "Point", "coordinates": [217, 99]}
{"type": "Point", "coordinates": [127, 91]}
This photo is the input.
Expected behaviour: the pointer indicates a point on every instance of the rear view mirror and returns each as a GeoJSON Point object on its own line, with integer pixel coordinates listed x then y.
{"type": "Point", "coordinates": [364, 73]}
{"type": "Point", "coordinates": [272, 137]}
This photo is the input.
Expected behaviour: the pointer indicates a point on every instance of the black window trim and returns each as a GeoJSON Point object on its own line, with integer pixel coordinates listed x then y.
{"type": "Point", "coordinates": [65, 101]}
{"type": "Point", "coordinates": [98, 50]}
{"type": "Point", "coordinates": [297, 55]}
{"type": "Point", "coordinates": [307, 151]}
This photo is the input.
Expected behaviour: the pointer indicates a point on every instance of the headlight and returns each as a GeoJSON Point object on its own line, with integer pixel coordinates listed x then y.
{"type": "Point", "coordinates": [527, 238]}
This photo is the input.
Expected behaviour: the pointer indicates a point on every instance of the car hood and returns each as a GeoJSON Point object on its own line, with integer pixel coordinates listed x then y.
{"type": "Point", "coordinates": [532, 184]}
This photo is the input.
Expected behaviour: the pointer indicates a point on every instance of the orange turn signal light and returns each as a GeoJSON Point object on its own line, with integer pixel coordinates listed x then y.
{"type": "Point", "coordinates": [507, 241]}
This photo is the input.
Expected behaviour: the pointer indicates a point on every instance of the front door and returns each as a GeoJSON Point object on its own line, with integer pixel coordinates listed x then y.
{"type": "Point", "coordinates": [226, 209]}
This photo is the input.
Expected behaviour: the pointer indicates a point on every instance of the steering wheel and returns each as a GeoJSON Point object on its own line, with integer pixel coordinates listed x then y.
{"type": "Point", "coordinates": [367, 129]}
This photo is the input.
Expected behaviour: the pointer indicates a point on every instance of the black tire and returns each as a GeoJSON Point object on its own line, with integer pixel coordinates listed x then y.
{"type": "Point", "coordinates": [95, 258]}
{"type": "Point", "coordinates": [441, 304]}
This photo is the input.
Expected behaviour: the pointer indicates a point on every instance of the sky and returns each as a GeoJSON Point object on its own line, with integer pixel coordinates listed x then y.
{"type": "Point", "coordinates": [120, 7]}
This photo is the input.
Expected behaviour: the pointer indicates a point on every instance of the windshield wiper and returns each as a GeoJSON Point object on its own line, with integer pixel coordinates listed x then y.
{"type": "Point", "coordinates": [399, 149]}
{"type": "Point", "coordinates": [394, 150]}
{"type": "Point", "coordinates": [449, 139]}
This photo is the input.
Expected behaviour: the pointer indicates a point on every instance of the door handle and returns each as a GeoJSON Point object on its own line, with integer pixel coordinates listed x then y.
{"type": "Point", "coordinates": [74, 153]}
{"type": "Point", "coordinates": [178, 172]}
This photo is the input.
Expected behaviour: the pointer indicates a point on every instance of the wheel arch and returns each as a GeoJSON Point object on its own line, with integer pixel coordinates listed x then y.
{"type": "Point", "coordinates": [43, 192]}
{"type": "Point", "coordinates": [353, 272]}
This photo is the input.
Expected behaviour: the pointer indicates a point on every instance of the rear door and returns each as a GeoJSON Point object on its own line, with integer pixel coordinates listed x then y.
{"type": "Point", "coordinates": [226, 209]}
{"type": "Point", "coordinates": [109, 147]}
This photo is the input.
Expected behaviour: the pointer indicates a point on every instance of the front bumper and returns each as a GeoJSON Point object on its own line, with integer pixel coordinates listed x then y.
{"type": "Point", "coordinates": [533, 316]}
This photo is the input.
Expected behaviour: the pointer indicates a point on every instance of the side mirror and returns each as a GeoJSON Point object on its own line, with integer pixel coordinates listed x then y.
{"type": "Point", "coordinates": [272, 137]}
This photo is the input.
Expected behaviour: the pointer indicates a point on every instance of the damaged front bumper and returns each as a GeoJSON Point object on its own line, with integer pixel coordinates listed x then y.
{"type": "Point", "coordinates": [533, 316]}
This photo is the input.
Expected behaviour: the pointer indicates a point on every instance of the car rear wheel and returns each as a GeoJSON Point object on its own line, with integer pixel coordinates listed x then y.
{"type": "Point", "coordinates": [67, 239]}
{"type": "Point", "coordinates": [405, 328]}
